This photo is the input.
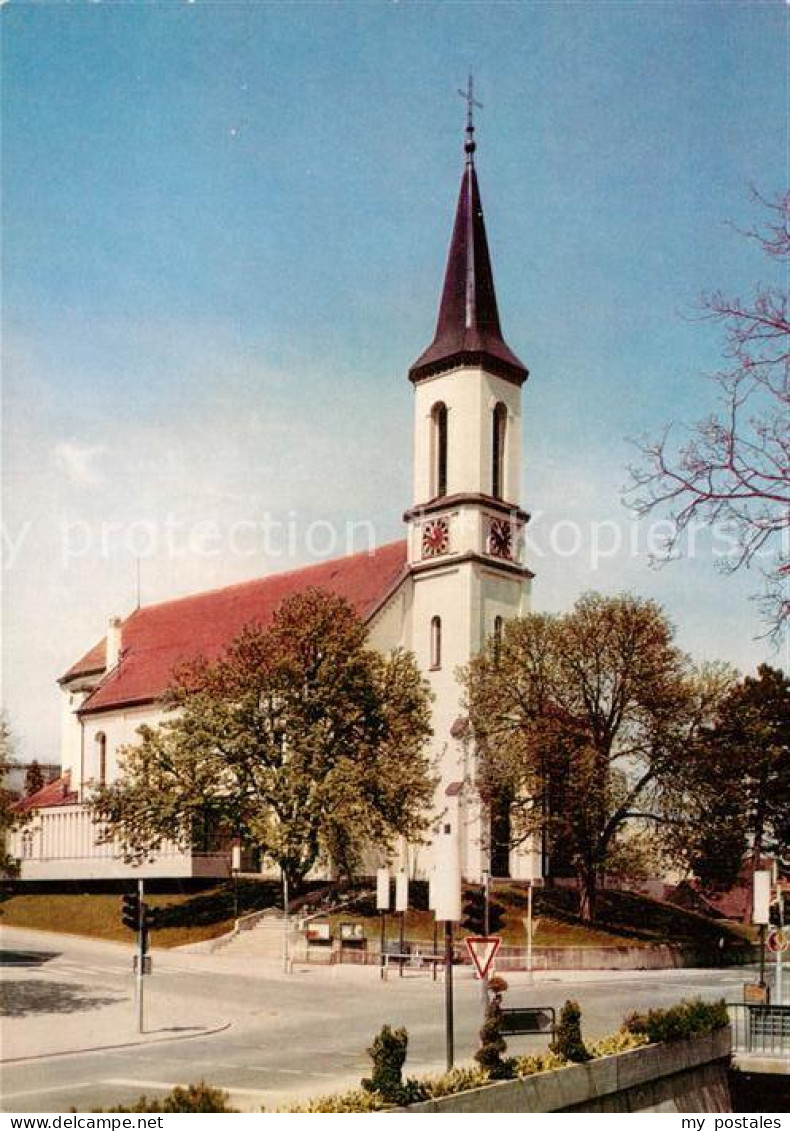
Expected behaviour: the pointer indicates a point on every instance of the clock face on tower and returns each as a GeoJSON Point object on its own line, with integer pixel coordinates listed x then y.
{"type": "Point", "coordinates": [500, 538]}
{"type": "Point", "coordinates": [435, 537]}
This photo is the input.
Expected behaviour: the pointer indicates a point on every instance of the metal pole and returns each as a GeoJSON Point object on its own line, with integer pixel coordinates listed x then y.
{"type": "Point", "coordinates": [530, 972]}
{"type": "Point", "coordinates": [383, 936]}
{"type": "Point", "coordinates": [140, 953]}
{"type": "Point", "coordinates": [435, 945]}
{"type": "Point", "coordinates": [448, 991]}
{"type": "Point", "coordinates": [286, 955]}
{"type": "Point", "coordinates": [762, 954]}
{"type": "Point", "coordinates": [486, 907]}
{"type": "Point", "coordinates": [402, 943]}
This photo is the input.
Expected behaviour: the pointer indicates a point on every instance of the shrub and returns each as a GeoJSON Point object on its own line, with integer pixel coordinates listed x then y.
{"type": "Point", "coordinates": [686, 1019]}
{"type": "Point", "coordinates": [539, 1062]}
{"type": "Point", "coordinates": [200, 1097]}
{"type": "Point", "coordinates": [355, 1100]}
{"type": "Point", "coordinates": [388, 1053]}
{"type": "Point", "coordinates": [568, 1043]}
{"type": "Point", "coordinates": [623, 1041]}
{"type": "Point", "coordinates": [492, 1043]}
{"type": "Point", "coordinates": [454, 1081]}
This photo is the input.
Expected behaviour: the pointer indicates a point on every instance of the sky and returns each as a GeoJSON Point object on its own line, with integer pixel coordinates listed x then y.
{"type": "Point", "coordinates": [225, 227]}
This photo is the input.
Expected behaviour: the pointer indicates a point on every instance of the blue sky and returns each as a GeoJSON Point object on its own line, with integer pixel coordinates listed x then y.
{"type": "Point", "coordinates": [225, 231]}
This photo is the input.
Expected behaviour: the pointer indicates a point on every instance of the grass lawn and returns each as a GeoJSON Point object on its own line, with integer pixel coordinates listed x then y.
{"type": "Point", "coordinates": [624, 918]}
{"type": "Point", "coordinates": [186, 918]}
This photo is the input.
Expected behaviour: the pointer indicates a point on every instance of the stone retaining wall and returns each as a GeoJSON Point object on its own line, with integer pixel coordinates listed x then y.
{"type": "Point", "coordinates": [685, 1076]}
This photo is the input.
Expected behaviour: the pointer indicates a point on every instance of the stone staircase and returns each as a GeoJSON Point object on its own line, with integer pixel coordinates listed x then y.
{"type": "Point", "coordinates": [259, 936]}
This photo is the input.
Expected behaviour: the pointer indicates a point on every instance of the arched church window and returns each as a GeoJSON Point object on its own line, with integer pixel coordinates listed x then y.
{"type": "Point", "coordinates": [499, 426]}
{"type": "Point", "coordinates": [436, 643]}
{"type": "Point", "coordinates": [439, 449]}
{"type": "Point", "coordinates": [101, 751]}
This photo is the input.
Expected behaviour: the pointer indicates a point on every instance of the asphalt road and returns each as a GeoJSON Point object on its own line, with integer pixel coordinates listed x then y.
{"type": "Point", "coordinates": [290, 1036]}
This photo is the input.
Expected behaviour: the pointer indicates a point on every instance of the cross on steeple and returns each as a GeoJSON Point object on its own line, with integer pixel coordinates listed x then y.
{"type": "Point", "coordinates": [469, 95]}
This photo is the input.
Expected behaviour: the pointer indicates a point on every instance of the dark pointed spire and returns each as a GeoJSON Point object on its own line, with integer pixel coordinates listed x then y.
{"type": "Point", "coordinates": [468, 330]}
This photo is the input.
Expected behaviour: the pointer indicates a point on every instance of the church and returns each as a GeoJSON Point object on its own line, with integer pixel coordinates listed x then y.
{"type": "Point", "coordinates": [458, 575]}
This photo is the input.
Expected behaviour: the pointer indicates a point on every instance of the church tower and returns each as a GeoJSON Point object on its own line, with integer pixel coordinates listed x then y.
{"type": "Point", "coordinates": [465, 537]}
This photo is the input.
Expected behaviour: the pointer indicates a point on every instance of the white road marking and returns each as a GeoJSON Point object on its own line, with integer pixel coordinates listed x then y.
{"type": "Point", "coordinates": [169, 1087]}
{"type": "Point", "coordinates": [44, 1090]}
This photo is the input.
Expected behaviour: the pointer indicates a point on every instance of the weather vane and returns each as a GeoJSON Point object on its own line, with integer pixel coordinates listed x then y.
{"type": "Point", "coordinates": [469, 95]}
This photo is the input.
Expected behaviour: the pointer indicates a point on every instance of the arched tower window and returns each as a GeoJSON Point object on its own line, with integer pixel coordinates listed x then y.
{"type": "Point", "coordinates": [101, 753]}
{"type": "Point", "coordinates": [499, 427]}
{"type": "Point", "coordinates": [436, 643]}
{"type": "Point", "coordinates": [439, 450]}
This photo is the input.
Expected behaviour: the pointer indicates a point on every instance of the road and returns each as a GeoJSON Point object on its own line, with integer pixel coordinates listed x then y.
{"type": "Point", "coordinates": [289, 1036]}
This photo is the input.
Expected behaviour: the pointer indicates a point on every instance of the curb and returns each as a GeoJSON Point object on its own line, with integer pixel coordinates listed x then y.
{"type": "Point", "coordinates": [123, 1045]}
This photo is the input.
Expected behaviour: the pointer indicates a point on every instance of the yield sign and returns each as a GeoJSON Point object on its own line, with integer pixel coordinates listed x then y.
{"type": "Point", "coordinates": [482, 949]}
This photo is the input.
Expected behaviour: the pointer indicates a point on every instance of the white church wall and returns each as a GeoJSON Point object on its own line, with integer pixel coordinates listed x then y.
{"type": "Point", "coordinates": [119, 729]}
{"type": "Point", "coordinates": [497, 596]}
{"type": "Point", "coordinates": [442, 593]}
{"type": "Point", "coordinates": [391, 626]}
{"type": "Point", "coordinates": [72, 699]}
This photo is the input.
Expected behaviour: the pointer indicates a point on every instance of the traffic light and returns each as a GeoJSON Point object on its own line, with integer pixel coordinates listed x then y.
{"type": "Point", "coordinates": [474, 919]}
{"type": "Point", "coordinates": [151, 917]}
{"type": "Point", "coordinates": [130, 911]}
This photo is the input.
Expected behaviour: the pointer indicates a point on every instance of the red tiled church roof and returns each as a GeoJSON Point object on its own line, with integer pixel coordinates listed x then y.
{"type": "Point", "coordinates": [54, 793]}
{"type": "Point", "coordinates": [156, 638]}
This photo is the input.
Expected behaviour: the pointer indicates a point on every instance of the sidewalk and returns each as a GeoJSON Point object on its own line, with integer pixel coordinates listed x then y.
{"type": "Point", "coordinates": [50, 1009]}
{"type": "Point", "coordinates": [101, 1019]}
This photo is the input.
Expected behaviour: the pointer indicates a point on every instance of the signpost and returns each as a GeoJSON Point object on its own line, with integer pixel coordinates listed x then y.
{"type": "Point", "coordinates": [778, 942]}
{"type": "Point", "coordinates": [401, 906]}
{"type": "Point", "coordinates": [482, 950]}
{"type": "Point", "coordinates": [383, 906]}
{"type": "Point", "coordinates": [445, 897]}
{"type": "Point", "coordinates": [141, 949]}
{"type": "Point", "coordinates": [761, 910]}
{"type": "Point", "coordinates": [528, 1022]}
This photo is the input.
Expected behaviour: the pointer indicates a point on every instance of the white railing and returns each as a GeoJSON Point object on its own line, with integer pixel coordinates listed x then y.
{"type": "Point", "coordinates": [68, 832]}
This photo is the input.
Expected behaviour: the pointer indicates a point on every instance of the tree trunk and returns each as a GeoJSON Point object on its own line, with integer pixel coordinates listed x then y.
{"type": "Point", "coordinates": [588, 895]}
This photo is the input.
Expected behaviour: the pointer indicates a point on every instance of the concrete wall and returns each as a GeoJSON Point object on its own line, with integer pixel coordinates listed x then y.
{"type": "Point", "coordinates": [654, 957]}
{"type": "Point", "coordinates": [684, 1076]}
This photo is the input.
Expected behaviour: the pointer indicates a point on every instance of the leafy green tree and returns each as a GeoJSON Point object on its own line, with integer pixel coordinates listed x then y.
{"type": "Point", "coordinates": [581, 721]}
{"type": "Point", "coordinates": [299, 739]}
{"type": "Point", "coordinates": [740, 780]}
{"type": "Point", "coordinates": [9, 817]}
{"type": "Point", "coordinates": [34, 779]}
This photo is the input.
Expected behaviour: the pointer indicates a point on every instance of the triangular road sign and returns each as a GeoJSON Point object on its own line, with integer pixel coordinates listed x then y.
{"type": "Point", "coordinates": [482, 949]}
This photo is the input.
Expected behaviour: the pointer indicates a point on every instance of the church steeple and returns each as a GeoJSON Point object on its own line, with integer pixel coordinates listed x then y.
{"type": "Point", "coordinates": [468, 330]}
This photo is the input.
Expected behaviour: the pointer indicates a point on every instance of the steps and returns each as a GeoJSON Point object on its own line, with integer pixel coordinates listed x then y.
{"type": "Point", "coordinates": [260, 938]}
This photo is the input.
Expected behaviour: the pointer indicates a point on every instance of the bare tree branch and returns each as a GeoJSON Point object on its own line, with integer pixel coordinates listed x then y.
{"type": "Point", "coordinates": [731, 470]}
